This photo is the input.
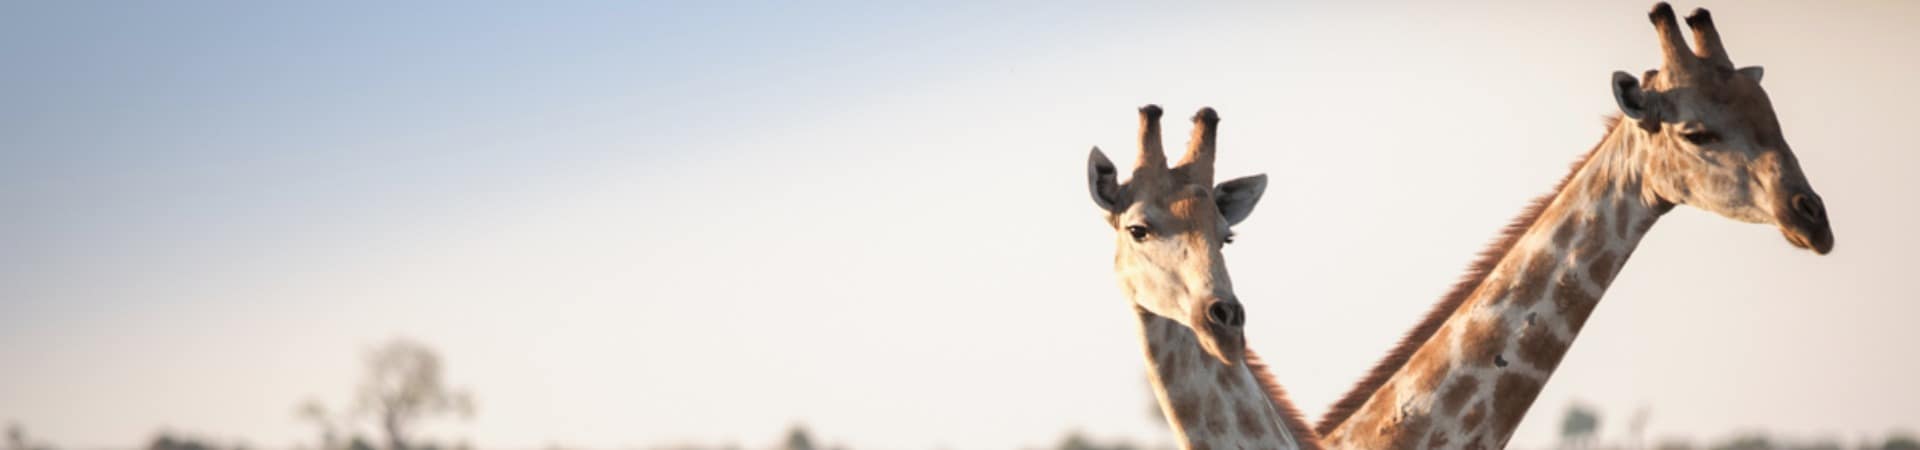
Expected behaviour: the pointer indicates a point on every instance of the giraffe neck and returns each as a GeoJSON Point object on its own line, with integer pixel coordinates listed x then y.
{"type": "Point", "coordinates": [1212, 405]}
{"type": "Point", "coordinates": [1469, 384]}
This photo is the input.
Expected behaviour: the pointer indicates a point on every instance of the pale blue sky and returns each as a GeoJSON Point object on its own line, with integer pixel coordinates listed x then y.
{"type": "Point", "coordinates": [634, 224]}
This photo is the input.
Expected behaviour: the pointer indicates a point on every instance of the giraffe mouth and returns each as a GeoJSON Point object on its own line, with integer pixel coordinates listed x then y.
{"type": "Point", "coordinates": [1810, 235]}
{"type": "Point", "coordinates": [1820, 240]}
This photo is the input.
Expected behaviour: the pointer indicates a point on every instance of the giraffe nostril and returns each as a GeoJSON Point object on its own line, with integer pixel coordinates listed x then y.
{"type": "Point", "coordinates": [1809, 208]}
{"type": "Point", "coordinates": [1226, 313]}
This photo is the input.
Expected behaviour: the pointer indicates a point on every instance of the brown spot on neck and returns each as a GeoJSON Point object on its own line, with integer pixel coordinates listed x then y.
{"type": "Point", "coordinates": [1622, 215]}
{"type": "Point", "coordinates": [1564, 235]}
{"type": "Point", "coordinates": [1602, 269]}
{"type": "Point", "coordinates": [1539, 347]}
{"type": "Point", "coordinates": [1457, 394]}
{"type": "Point", "coordinates": [1481, 342]}
{"type": "Point", "coordinates": [1512, 394]}
{"type": "Point", "coordinates": [1437, 440]}
{"type": "Point", "coordinates": [1531, 280]}
{"type": "Point", "coordinates": [1574, 302]}
{"type": "Point", "coordinates": [1251, 422]}
{"type": "Point", "coordinates": [1474, 417]}
{"type": "Point", "coordinates": [1186, 409]}
{"type": "Point", "coordinates": [1218, 415]}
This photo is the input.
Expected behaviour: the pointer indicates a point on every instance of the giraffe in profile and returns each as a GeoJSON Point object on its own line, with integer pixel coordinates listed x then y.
{"type": "Point", "coordinates": [1169, 227]}
{"type": "Point", "coordinates": [1696, 131]}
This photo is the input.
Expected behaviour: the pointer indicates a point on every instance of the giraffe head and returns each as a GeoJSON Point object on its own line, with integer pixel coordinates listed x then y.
{"type": "Point", "coordinates": [1169, 227]}
{"type": "Point", "coordinates": [1712, 139]}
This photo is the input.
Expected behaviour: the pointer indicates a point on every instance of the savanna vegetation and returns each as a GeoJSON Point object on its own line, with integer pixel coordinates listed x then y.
{"type": "Point", "coordinates": [403, 387]}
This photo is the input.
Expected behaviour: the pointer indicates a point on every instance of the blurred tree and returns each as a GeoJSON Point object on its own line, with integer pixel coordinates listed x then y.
{"type": "Point", "coordinates": [1578, 428]}
{"type": "Point", "coordinates": [403, 386]}
{"type": "Point", "coordinates": [1747, 441]}
{"type": "Point", "coordinates": [17, 439]}
{"type": "Point", "coordinates": [166, 441]}
{"type": "Point", "coordinates": [1075, 440]}
{"type": "Point", "coordinates": [1637, 426]}
{"type": "Point", "coordinates": [1901, 441]}
{"type": "Point", "coordinates": [1674, 444]}
{"type": "Point", "coordinates": [798, 439]}
{"type": "Point", "coordinates": [313, 411]}
{"type": "Point", "coordinates": [1816, 445]}
{"type": "Point", "coordinates": [174, 441]}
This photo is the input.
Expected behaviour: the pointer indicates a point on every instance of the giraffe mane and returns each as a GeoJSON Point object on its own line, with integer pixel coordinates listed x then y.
{"type": "Point", "coordinates": [1477, 273]}
{"type": "Point", "coordinates": [1289, 415]}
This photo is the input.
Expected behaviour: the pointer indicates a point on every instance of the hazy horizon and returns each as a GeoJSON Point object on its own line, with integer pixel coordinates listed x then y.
{"type": "Point", "coordinates": [626, 225]}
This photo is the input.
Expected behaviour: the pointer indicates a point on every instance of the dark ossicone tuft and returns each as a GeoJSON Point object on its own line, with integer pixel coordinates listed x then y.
{"type": "Point", "coordinates": [1661, 12]}
{"type": "Point", "coordinates": [1699, 17]}
{"type": "Point", "coordinates": [1206, 116]}
{"type": "Point", "coordinates": [1152, 112]}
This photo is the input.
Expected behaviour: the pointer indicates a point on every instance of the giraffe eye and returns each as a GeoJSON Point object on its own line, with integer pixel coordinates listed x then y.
{"type": "Point", "coordinates": [1702, 137]}
{"type": "Point", "coordinates": [1139, 232]}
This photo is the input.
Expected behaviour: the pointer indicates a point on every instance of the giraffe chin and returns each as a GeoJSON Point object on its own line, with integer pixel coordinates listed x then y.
{"type": "Point", "coordinates": [1820, 241]}
{"type": "Point", "coordinates": [1225, 344]}
{"type": "Point", "coordinates": [1808, 234]}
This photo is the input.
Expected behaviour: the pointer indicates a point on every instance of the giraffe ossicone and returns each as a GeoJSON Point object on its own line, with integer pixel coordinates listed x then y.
{"type": "Point", "coordinates": [1697, 131]}
{"type": "Point", "coordinates": [1169, 226]}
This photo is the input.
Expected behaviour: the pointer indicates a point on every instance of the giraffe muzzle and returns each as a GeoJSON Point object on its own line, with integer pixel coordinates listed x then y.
{"type": "Point", "coordinates": [1219, 329]}
{"type": "Point", "coordinates": [1228, 313]}
{"type": "Point", "coordinates": [1805, 223]}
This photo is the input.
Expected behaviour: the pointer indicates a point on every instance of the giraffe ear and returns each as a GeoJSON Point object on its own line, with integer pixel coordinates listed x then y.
{"type": "Point", "coordinates": [1753, 72]}
{"type": "Point", "coordinates": [1236, 197]}
{"type": "Point", "coordinates": [1103, 183]}
{"type": "Point", "coordinates": [1635, 102]}
{"type": "Point", "coordinates": [1627, 92]}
